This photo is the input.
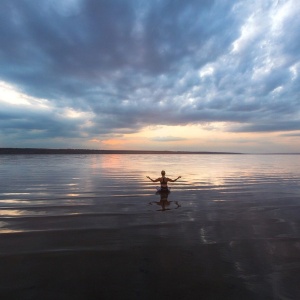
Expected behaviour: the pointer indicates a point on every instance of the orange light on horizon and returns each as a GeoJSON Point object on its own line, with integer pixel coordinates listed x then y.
{"type": "Point", "coordinates": [114, 142]}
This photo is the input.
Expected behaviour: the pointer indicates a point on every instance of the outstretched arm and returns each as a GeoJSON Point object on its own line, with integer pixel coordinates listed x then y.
{"type": "Point", "coordinates": [153, 180]}
{"type": "Point", "coordinates": [173, 180]}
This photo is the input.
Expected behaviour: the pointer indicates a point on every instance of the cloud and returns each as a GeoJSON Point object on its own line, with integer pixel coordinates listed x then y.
{"type": "Point", "coordinates": [294, 134]}
{"type": "Point", "coordinates": [270, 127]}
{"type": "Point", "coordinates": [123, 65]}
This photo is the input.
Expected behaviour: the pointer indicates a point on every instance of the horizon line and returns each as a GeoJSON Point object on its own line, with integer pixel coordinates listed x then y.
{"type": "Point", "coordinates": [33, 150]}
{"type": "Point", "coordinates": [41, 150]}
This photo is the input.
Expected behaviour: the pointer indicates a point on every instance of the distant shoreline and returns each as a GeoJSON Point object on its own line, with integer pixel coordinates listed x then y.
{"type": "Point", "coordinates": [29, 151]}
{"type": "Point", "coordinates": [13, 151]}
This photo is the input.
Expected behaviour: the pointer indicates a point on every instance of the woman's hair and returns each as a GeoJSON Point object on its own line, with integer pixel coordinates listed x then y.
{"type": "Point", "coordinates": [163, 172]}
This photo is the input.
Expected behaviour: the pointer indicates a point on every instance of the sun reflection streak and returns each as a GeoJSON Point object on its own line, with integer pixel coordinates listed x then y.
{"type": "Point", "coordinates": [14, 194]}
{"type": "Point", "coordinates": [18, 212]}
{"type": "Point", "coordinates": [4, 228]}
{"type": "Point", "coordinates": [5, 231]}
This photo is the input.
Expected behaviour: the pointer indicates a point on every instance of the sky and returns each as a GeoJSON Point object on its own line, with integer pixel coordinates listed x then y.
{"type": "Point", "coordinates": [192, 75]}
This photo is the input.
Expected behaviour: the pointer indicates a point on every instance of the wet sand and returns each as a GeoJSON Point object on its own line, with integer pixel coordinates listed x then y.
{"type": "Point", "coordinates": [239, 253]}
{"type": "Point", "coordinates": [151, 272]}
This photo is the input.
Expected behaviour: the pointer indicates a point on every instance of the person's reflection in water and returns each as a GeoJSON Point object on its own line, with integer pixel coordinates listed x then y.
{"type": "Point", "coordinates": [164, 202]}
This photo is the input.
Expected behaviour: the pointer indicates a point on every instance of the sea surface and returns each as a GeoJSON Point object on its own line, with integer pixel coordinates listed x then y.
{"type": "Point", "coordinates": [93, 227]}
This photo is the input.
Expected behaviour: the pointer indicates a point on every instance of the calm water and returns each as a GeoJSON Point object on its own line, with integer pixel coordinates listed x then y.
{"type": "Point", "coordinates": [231, 222]}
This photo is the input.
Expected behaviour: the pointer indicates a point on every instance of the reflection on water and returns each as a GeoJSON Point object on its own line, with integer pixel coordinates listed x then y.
{"type": "Point", "coordinates": [232, 221]}
{"type": "Point", "coordinates": [212, 187]}
{"type": "Point", "coordinates": [164, 201]}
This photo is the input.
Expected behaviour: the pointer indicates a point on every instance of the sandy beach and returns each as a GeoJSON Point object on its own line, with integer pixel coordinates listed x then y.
{"type": "Point", "coordinates": [158, 271]}
{"type": "Point", "coordinates": [154, 261]}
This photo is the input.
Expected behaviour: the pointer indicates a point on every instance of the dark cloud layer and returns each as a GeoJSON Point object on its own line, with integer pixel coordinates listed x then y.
{"type": "Point", "coordinates": [129, 64]}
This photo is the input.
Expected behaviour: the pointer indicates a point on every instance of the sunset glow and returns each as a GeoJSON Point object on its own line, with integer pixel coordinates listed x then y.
{"type": "Point", "coordinates": [122, 75]}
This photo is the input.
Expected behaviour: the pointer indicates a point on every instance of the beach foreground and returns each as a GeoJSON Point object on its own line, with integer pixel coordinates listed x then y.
{"type": "Point", "coordinates": [76, 229]}
{"type": "Point", "coordinates": [161, 271]}
{"type": "Point", "coordinates": [155, 261]}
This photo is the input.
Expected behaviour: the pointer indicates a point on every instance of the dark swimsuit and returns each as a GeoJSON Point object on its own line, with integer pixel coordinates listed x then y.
{"type": "Point", "coordinates": [163, 188]}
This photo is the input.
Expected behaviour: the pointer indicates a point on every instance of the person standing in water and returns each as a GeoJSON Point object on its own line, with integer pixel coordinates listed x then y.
{"type": "Point", "coordinates": [163, 181]}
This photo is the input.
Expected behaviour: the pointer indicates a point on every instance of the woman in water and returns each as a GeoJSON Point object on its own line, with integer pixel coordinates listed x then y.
{"type": "Point", "coordinates": [164, 181]}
